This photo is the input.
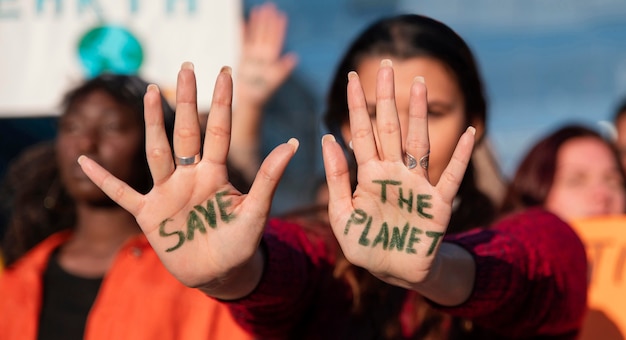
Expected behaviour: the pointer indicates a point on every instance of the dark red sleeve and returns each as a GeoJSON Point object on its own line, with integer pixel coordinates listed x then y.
{"type": "Point", "coordinates": [295, 265]}
{"type": "Point", "coordinates": [531, 276]}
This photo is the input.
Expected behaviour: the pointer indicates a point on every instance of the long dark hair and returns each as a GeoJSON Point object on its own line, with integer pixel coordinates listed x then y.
{"type": "Point", "coordinates": [535, 174]}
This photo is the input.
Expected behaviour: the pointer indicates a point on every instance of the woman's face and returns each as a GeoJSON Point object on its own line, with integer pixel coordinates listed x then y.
{"type": "Point", "coordinates": [587, 181]}
{"type": "Point", "coordinates": [109, 133]}
{"type": "Point", "coordinates": [446, 104]}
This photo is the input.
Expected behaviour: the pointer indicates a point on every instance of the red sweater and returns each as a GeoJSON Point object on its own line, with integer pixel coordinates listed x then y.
{"type": "Point", "coordinates": [531, 281]}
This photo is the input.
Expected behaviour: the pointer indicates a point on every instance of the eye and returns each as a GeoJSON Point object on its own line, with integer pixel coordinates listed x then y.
{"type": "Point", "coordinates": [439, 109]}
{"type": "Point", "coordinates": [435, 114]}
{"type": "Point", "coordinates": [574, 181]}
{"type": "Point", "coordinates": [371, 110]}
{"type": "Point", "coordinates": [115, 122]}
{"type": "Point", "coordinates": [112, 127]}
{"type": "Point", "coordinates": [70, 125]}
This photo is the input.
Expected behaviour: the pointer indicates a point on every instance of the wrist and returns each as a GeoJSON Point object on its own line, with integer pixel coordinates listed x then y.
{"type": "Point", "coordinates": [450, 281]}
{"type": "Point", "coordinates": [240, 281]}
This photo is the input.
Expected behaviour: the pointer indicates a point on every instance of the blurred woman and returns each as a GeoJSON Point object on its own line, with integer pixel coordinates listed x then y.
{"type": "Point", "coordinates": [573, 172]}
{"type": "Point", "coordinates": [78, 265]}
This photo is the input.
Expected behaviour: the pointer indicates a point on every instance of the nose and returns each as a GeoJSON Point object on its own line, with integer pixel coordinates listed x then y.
{"type": "Point", "coordinates": [87, 141]}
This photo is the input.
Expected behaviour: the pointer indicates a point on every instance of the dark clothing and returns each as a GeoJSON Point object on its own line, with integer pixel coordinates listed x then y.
{"type": "Point", "coordinates": [67, 300]}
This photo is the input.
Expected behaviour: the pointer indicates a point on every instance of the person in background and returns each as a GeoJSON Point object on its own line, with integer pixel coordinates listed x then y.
{"type": "Point", "coordinates": [577, 174]}
{"type": "Point", "coordinates": [524, 276]}
{"type": "Point", "coordinates": [78, 265]}
{"type": "Point", "coordinates": [573, 172]}
{"type": "Point", "coordinates": [489, 177]}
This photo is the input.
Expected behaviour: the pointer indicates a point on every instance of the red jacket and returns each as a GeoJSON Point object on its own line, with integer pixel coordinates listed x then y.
{"type": "Point", "coordinates": [531, 281]}
{"type": "Point", "coordinates": [138, 299]}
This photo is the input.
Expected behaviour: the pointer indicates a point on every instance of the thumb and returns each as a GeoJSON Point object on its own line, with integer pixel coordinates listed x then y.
{"type": "Point", "coordinates": [269, 175]}
{"type": "Point", "coordinates": [286, 65]}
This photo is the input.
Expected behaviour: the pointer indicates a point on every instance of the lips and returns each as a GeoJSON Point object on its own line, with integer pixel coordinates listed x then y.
{"type": "Point", "coordinates": [76, 172]}
{"type": "Point", "coordinates": [600, 211]}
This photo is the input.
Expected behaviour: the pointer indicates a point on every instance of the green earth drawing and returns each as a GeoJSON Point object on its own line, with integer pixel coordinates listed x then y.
{"type": "Point", "coordinates": [110, 48]}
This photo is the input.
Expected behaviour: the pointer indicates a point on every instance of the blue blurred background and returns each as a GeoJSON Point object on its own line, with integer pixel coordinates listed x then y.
{"type": "Point", "coordinates": [545, 63]}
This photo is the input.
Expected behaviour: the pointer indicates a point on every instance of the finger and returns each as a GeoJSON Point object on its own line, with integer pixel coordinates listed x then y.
{"type": "Point", "coordinates": [186, 125]}
{"type": "Point", "coordinates": [259, 199]}
{"type": "Point", "coordinates": [276, 37]}
{"type": "Point", "coordinates": [270, 40]}
{"type": "Point", "coordinates": [452, 176]}
{"type": "Point", "coordinates": [283, 68]}
{"type": "Point", "coordinates": [417, 143]}
{"type": "Point", "coordinates": [158, 150]}
{"type": "Point", "coordinates": [122, 194]}
{"type": "Point", "coordinates": [387, 122]}
{"type": "Point", "coordinates": [252, 26]}
{"type": "Point", "coordinates": [363, 142]}
{"type": "Point", "coordinates": [217, 138]}
{"type": "Point", "coordinates": [337, 177]}
{"type": "Point", "coordinates": [263, 24]}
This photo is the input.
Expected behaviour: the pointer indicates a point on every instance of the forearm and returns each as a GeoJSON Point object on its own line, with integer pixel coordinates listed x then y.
{"type": "Point", "coordinates": [294, 268]}
{"type": "Point", "coordinates": [451, 280]}
{"type": "Point", "coordinates": [530, 276]}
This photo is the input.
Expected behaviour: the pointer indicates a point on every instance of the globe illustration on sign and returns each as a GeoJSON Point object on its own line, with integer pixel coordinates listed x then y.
{"type": "Point", "coordinates": [110, 48]}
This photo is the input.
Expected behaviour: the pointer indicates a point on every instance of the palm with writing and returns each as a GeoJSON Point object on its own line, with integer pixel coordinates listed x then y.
{"type": "Point", "coordinates": [205, 232]}
{"type": "Point", "coordinates": [394, 222]}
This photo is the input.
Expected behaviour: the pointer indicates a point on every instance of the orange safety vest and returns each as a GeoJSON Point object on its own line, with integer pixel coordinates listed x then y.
{"type": "Point", "coordinates": [138, 299]}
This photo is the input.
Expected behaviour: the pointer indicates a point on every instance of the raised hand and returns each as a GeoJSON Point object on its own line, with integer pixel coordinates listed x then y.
{"type": "Point", "coordinates": [205, 232]}
{"type": "Point", "coordinates": [262, 69]}
{"type": "Point", "coordinates": [394, 222]}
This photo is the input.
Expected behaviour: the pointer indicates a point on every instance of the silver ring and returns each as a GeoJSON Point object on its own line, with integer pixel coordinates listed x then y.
{"type": "Point", "coordinates": [195, 159]}
{"type": "Point", "coordinates": [424, 160]}
{"type": "Point", "coordinates": [410, 161]}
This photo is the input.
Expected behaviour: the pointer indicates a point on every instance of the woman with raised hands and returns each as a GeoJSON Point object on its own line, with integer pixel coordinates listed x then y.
{"type": "Point", "coordinates": [207, 233]}
{"type": "Point", "coordinates": [196, 199]}
{"type": "Point", "coordinates": [280, 278]}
